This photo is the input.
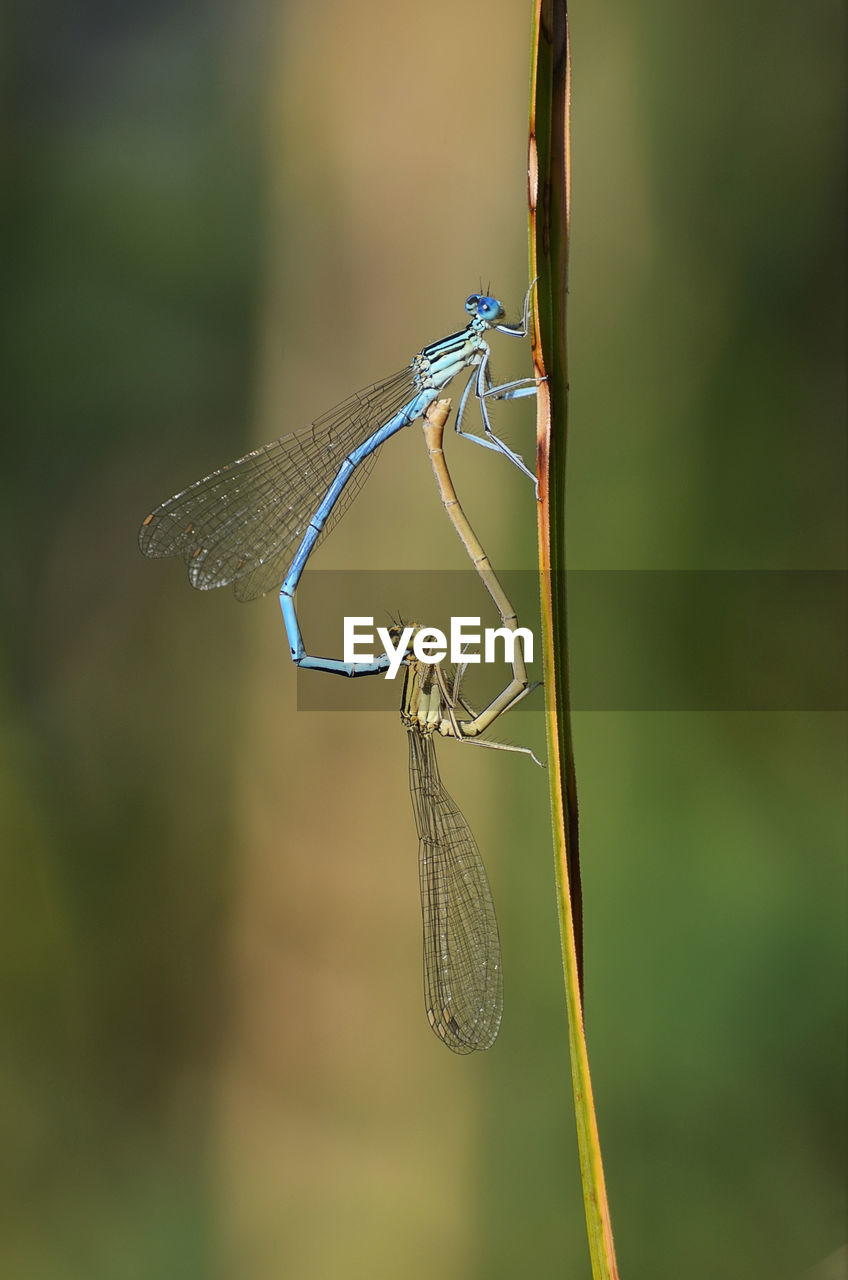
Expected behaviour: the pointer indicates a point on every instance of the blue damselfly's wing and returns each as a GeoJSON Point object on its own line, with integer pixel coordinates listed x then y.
{"type": "Point", "coordinates": [463, 983]}
{"type": "Point", "coordinates": [241, 525]}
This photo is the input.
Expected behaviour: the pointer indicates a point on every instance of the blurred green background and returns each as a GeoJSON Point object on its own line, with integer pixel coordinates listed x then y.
{"type": "Point", "coordinates": [220, 220]}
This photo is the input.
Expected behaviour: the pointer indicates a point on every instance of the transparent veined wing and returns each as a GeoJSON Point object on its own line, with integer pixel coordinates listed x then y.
{"type": "Point", "coordinates": [241, 525]}
{"type": "Point", "coordinates": [463, 982]}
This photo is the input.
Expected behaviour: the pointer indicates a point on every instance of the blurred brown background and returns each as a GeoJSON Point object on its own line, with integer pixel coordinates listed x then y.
{"type": "Point", "coordinates": [221, 220]}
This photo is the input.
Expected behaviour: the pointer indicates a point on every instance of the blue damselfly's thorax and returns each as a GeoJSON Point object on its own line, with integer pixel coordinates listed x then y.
{"type": "Point", "coordinates": [436, 365]}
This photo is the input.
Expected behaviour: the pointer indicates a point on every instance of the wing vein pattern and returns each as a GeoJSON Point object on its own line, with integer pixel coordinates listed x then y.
{"type": "Point", "coordinates": [463, 981]}
{"type": "Point", "coordinates": [237, 526]}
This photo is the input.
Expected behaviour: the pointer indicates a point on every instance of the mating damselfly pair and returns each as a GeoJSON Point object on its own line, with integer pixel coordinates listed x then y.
{"type": "Point", "coordinates": [253, 525]}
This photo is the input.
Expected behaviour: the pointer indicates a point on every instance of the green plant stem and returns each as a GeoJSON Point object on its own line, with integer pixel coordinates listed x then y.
{"type": "Point", "coordinates": [549, 195]}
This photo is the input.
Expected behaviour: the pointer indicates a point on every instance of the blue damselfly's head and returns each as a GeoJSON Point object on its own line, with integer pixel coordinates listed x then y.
{"type": "Point", "coordinates": [482, 307]}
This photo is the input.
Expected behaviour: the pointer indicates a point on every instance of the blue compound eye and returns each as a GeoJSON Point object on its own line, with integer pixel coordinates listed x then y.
{"type": "Point", "coordinates": [471, 304]}
{"type": "Point", "coordinates": [489, 308]}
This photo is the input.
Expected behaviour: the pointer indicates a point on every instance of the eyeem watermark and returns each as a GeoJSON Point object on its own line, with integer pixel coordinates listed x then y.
{"type": "Point", "coordinates": [431, 645]}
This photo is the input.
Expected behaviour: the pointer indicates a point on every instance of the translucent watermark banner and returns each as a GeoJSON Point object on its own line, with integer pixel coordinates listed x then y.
{"type": "Point", "coordinates": [665, 640]}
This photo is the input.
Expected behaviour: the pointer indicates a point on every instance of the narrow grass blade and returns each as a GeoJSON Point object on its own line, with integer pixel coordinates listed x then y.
{"type": "Point", "coordinates": [549, 197]}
